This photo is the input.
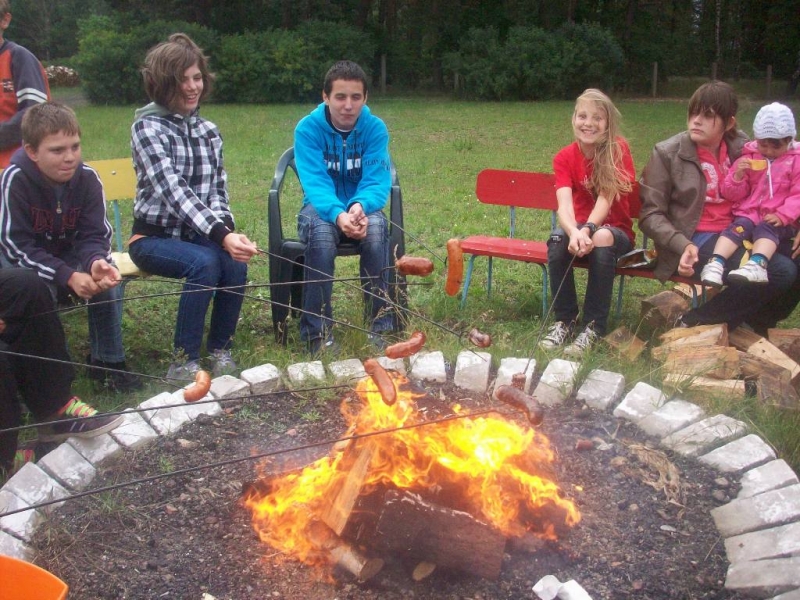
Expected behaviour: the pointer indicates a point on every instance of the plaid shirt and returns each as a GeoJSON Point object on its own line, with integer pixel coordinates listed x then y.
{"type": "Point", "coordinates": [181, 186]}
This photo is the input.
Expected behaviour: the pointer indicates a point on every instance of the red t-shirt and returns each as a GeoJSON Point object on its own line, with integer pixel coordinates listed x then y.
{"type": "Point", "coordinates": [573, 170]}
{"type": "Point", "coordinates": [717, 211]}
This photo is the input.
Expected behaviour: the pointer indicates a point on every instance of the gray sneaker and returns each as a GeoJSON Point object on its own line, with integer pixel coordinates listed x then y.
{"type": "Point", "coordinates": [556, 336]}
{"type": "Point", "coordinates": [222, 363]}
{"type": "Point", "coordinates": [585, 340]}
{"type": "Point", "coordinates": [183, 371]}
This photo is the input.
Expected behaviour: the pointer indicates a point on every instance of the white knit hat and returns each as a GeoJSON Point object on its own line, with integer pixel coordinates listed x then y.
{"type": "Point", "coordinates": [774, 121]}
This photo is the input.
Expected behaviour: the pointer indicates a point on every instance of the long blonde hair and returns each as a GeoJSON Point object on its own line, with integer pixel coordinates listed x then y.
{"type": "Point", "coordinates": [609, 177]}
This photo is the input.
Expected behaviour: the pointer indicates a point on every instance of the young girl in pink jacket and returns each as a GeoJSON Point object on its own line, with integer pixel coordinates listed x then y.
{"type": "Point", "coordinates": [764, 186]}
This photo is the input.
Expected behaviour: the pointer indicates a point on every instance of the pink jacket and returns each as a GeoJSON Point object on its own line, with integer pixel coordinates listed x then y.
{"type": "Point", "coordinates": [776, 189]}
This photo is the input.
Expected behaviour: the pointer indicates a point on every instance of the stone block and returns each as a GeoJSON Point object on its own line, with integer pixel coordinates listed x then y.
{"type": "Point", "coordinates": [601, 389]}
{"type": "Point", "coordinates": [347, 371]}
{"type": "Point", "coordinates": [472, 371]}
{"type": "Point", "coordinates": [165, 421]}
{"type": "Point", "coordinates": [34, 486]}
{"type": "Point", "coordinates": [778, 542]}
{"type": "Point", "coordinates": [556, 383]}
{"type": "Point", "coordinates": [22, 524]}
{"type": "Point", "coordinates": [392, 364]}
{"type": "Point", "coordinates": [739, 455]}
{"type": "Point", "coordinates": [204, 406]}
{"type": "Point", "coordinates": [764, 578]}
{"type": "Point", "coordinates": [703, 436]}
{"type": "Point", "coordinates": [771, 476]}
{"type": "Point", "coordinates": [509, 367]}
{"type": "Point", "coordinates": [428, 366]}
{"type": "Point", "coordinates": [793, 595]}
{"type": "Point", "coordinates": [135, 432]}
{"type": "Point", "coordinates": [227, 386]}
{"type": "Point", "coordinates": [674, 415]}
{"type": "Point", "coordinates": [96, 449]}
{"type": "Point", "coordinates": [263, 379]}
{"type": "Point", "coordinates": [642, 400]}
{"type": "Point", "coordinates": [68, 467]}
{"type": "Point", "coordinates": [770, 509]}
{"type": "Point", "coordinates": [300, 373]}
{"type": "Point", "coordinates": [15, 548]}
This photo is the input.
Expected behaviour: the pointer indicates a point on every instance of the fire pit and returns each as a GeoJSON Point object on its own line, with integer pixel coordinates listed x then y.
{"type": "Point", "coordinates": [447, 493]}
{"type": "Point", "coordinates": [642, 533]}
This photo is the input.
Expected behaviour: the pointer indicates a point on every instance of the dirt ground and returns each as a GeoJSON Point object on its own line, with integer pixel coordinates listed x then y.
{"type": "Point", "coordinates": [188, 535]}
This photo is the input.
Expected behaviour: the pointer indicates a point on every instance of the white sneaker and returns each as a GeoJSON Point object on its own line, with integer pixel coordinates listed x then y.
{"type": "Point", "coordinates": [222, 363]}
{"type": "Point", "coordinates": [751, 272]}
{"type": "Point", "coordinates": [556, 336]}
{"type": "Point", "coordinates": [712, 273]}
{"type": "Point", "coordinates": [585, 340]}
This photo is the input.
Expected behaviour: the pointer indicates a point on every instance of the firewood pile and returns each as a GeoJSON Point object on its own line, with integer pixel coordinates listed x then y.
{"type": "Point", "coordinates": [709, 358]}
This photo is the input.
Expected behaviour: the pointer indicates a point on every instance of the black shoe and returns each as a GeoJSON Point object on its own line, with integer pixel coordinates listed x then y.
{"type": "Point", "coordinates": [377, 342]}
{"type": "Point", "coordinates": [79, 420]}
{"type": "Point", "coordinates": [319, 347]}
{"type": "Point", "coordinates": [117, 378]}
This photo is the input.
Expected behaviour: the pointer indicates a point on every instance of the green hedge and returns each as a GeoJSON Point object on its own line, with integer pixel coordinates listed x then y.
{"type": "Point", "coordinates": [534, 64]}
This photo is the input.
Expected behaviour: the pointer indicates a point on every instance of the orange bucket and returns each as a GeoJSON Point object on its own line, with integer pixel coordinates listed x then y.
{"type": "Point", "coordinates": [25, 581]}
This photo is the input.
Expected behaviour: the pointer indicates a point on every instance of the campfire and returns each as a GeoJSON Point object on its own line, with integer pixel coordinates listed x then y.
{"type": "Point", "coordinates": [448, 493]}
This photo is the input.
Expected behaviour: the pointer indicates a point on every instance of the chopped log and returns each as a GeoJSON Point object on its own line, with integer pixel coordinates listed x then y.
{"type": "Point", "coordinates": [689, 337]}
{"type": "Point", "coordinates": [625, 342]}
{"type": "Point", "coordinates": [685, 290]}
{"type": "Point", "coordinates": [662, 310]}
{"type": "Point", "coordinates": [787, 341]}
{"type": "Point", "coordinates": [752, 343]}
{"type": "Point", "coordinates": [732, 388]}
{"type": "Point", "coordinates": [343, 554]}
{"type": "Point", "coordinates": [710, 361]}
{"type": "Point", "coordinates": [776, 389]}
{"type": "Point", "coordinates": [449, 538]}
{"type": "Point", "coordinates": [342, 500]}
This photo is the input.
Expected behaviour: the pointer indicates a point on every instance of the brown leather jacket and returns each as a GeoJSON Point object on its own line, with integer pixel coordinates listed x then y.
{"type": "Point", "coordinates": [673, 190]}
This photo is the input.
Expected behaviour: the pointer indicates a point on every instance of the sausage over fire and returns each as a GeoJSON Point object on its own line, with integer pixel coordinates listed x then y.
{"type": "Point", "coordinates": [480, 339]}
{"type": "Point", "coordinates": [508, 394]}
{"type": "Point", "coordinates": [405, 349]}
{"type": "Point", "coordinates": [414, 265]}
{"type": "Point", "coordinates": [200, 387]}
{"type": "Point", "coordinates": [455, 267]}
{"type": "Point", "coordinates": [382, 380]}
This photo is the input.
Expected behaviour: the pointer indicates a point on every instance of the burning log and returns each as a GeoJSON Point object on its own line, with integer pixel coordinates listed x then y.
{"type": "Point", "coordinates": [343, 554]}
{"type": "Point", "coordinates": [440, 535]}
{"type": "Point", "coordinates": [336, 514]}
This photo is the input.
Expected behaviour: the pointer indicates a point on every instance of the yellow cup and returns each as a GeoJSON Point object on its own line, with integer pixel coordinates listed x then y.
{"type": "Point", "coordinates": [758, 165]}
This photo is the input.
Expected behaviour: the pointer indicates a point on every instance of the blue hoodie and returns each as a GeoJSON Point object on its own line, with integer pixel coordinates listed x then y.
{"type": "Point", "coordinates": [319, 151]}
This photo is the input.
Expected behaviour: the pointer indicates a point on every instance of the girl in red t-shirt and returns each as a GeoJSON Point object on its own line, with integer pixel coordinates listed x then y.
{"type": "Point", "coordinates": [594, 176]}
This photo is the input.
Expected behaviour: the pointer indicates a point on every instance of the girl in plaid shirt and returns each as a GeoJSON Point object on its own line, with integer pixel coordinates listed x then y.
{"type": "Point", "coordinates": [183, 227]}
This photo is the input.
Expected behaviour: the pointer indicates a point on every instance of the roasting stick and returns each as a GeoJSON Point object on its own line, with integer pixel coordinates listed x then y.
{"type": "Point", "coordinates": [240, 459]}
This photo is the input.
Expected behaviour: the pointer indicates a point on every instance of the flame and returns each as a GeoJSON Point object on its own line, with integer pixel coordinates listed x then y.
{"type": "Point", "coordinates": [493, 468]}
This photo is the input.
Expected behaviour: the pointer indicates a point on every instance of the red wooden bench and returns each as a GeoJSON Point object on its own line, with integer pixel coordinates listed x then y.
{"type": "Point", "coordinates": [523, 189]}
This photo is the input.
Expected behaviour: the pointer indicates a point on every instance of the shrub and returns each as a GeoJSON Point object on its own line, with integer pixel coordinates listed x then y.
{"type": "Point", "coordinates": [109, 60]}
{"type": "Point", "coordinates": [533, 64]}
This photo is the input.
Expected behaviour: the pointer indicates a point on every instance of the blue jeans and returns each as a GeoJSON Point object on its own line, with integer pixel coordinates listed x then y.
{"type": "Point", "coordinates": [758, 305]}
{"type": "Point", "coordinates": [104, 316]}
{"type": "Point", "coordinates": [203, 264]}
{"type": "Point", "coordinates": [599, 284]}
{"type": "Point", "coordinates": [321, 239]}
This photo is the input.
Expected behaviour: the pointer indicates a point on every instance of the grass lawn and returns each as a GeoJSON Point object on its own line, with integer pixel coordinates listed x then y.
{"type": "Point", "coordinates": [439, 146]}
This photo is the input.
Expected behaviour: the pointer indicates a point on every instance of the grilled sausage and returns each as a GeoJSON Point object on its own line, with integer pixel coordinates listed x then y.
{"type": "Point", "coordinates": [405, 349]}
{"type": "Point", "coordinates": [480, 339]}
{"type": "Point", "coordinates": [414, 265]}
{"type": "Point", "coordinates": [512, 396]}
{"type": "Point", "coordinates": [200, 387]}
{"type": "Point", "coordinates": [455, 267]}
{"type": "Point", "coordinates": [382, 380]}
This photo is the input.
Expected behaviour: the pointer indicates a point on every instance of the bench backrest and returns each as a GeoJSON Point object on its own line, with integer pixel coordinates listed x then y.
{"type": "Point", "coordinates": [119, 183]}
{"type": "Point", "coordinates": [516, 188]}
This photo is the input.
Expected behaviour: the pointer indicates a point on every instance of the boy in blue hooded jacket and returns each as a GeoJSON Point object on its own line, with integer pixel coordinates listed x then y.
{"type": "Point", "coordinates": [342, 157]}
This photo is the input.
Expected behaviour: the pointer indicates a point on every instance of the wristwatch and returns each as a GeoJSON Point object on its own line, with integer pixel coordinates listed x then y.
{"type": "Point", "coordinates": [590, 226]}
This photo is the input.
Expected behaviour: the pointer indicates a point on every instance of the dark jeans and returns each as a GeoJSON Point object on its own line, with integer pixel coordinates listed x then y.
{"type": "Point", "coordinates": [205, 266]}
{"type": "Point", "coordinates": [600, 281]}
{"type": "Point", "coordinates": [321, 239]}
{"type": "Point", "coordinates": [759, 305]}
{"type": "Point", "coordinates": [32, 327]}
